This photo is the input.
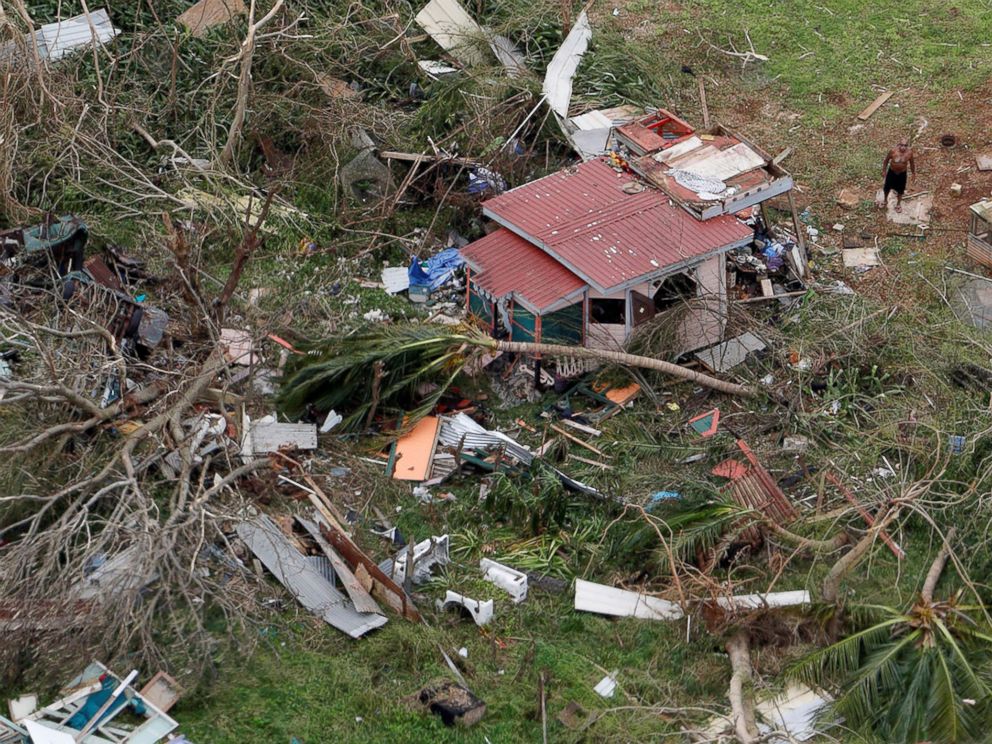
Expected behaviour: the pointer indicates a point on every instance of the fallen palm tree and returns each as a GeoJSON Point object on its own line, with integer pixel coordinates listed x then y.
{"type": "Point", "coordinates": [385, 366]}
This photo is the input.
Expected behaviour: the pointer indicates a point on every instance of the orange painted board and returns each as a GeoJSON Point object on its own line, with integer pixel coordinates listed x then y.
{"type": "Point", "coordinates": [415, 450]}
{"type": "Point", "coordinates": [622, 396]}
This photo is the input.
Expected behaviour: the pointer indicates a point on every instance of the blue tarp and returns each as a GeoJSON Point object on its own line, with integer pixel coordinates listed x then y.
{"type": "Point", "coordinates": [436, 270]}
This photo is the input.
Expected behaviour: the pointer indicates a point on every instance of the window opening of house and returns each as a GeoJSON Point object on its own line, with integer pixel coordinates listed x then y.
{"type": "Point", "coordinates": [613, 312]}
{"type": "Point", "coordinates": [673, 290]}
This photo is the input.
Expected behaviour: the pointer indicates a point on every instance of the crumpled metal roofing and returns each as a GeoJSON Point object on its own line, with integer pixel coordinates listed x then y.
{"type": "Point", "coordinates": [503, 263]}
{"type": "Point", "coordinates": [610, 228]}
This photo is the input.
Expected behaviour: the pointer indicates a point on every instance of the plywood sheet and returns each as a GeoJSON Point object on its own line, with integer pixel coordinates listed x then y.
{"type": "Point", "coordinates": [623, 396]}
{"type": "Point", "coordinates": [728, 163]}
{"type": "Point", "coordinates": [206, 14]}
{"type": "Point", "coordinates": [730, 353]}
{"type": "Point", "coordinates": [415, 450]}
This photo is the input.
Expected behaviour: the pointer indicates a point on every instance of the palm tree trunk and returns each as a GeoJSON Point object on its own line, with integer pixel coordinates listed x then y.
{"type": "Point", "coordinates": [933, 575]}
{"type": "Point", "coordinates": [831, 583]}
{"type": "Point", "coordinates": [622, 358]}
{"type": "Point", "coordinates": [741, 692]}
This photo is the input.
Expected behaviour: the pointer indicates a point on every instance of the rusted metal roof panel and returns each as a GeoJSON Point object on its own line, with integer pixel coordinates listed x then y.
{"type": "Point", "coordinates": [503, 263]}
{"type": "Point", "coordinates": [610, 228]}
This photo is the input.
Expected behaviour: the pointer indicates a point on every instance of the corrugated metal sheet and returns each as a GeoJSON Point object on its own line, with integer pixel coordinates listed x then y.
{"type": "Point", "coordinates": [462, 431]}
{"type": "Point", "coordinates": [303, 580]}
{"type": "Point", "coordinates": [503, 263]}
{"type": "Point", "coordinates": [583, 217]}
{"type": "Point", "coordinates": [557, 85]}
{"type": "Point", "coordinates": [56, 40]}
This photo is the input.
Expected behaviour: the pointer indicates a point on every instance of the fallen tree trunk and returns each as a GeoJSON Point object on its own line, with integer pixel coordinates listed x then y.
{"type": "Point", "coordinates": [622, 358]}
{"type": "Point", "coordinates": [741, 692]}
{"type": "Point", "coordinates": [937, 568]}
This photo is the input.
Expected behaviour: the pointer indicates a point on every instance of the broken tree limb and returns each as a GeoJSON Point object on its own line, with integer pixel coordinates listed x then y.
{"type": "Point", "coordinates": [621, 358]}
{"type": "Point", "coordinates": [244, 79]}
{"type": "Point", "coordinates": [937, 568]}
{"type": "Point", "coordinates": [831, 583]}
{"type": "Point", "coordinates": [741, 692]}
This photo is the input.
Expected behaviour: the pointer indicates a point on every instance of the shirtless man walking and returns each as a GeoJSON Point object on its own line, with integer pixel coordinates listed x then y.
{"type": "Point", "coordinates": [894, 168]}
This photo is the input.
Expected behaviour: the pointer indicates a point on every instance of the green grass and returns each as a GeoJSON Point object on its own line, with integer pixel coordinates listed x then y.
{"type": "Point", "coordinates": [827, 54]}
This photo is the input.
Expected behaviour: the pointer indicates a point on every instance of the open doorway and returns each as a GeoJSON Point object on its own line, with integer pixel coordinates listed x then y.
{"type": "Point", "coordinates": [673, 290]}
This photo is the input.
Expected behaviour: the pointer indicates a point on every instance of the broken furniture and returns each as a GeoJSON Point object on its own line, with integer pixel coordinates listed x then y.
{"type": "Point", "coordinates": [753, 487]}
{"type": "Point", "coordinates": [980, 233]}
{"type": "Point", "coordinates": [96, 707]}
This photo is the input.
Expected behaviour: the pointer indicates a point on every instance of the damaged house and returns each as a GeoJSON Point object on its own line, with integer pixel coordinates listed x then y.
{"type": "Point", "coordinates": [587, 254]}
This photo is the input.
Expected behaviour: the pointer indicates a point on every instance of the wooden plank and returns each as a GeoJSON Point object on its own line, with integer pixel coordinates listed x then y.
{"type": "Point", "coordinates": [272, 436]}
{"type": "Point", "coordinates": [415, 450]}
{"type": "Point", "coordinates": [587, 461]}
{"type": "Point", "coordinates": [382, 587]}
{"type": "Point", "coordinates": [854, 257]}
{"type": "Point", "coordinates": [875, 105]}
{"type": "Point", "coordinates": [782, 156]}
{"type": "Point", "coordinates": [578, 441]}
{"type": "Point", "coordinates": [353, 587]}
{"type": "Point", "coordinates": [581, 427]}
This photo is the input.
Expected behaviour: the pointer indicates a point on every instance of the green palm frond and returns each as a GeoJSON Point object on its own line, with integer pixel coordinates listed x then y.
{"type": "Point", "coordinates": [922, 674]}
{"type": "Point", "coordinates": [340, 373]}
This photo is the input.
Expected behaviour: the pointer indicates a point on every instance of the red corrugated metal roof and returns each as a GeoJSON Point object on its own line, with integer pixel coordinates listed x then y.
{"type": "Point", "coordinates": [504, 263]}
{"type": "Point", "coordinates": [584, 218]}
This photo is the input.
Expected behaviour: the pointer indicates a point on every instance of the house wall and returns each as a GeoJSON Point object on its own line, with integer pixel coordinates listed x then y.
{"type": "Point", "coordinates": [706, 319]}
{"type": "Point", "coordinates": [609, 336]}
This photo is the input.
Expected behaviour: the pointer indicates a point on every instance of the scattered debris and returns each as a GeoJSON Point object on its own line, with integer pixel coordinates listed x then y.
{"type": "Point", "coordinates": [332, 419]}
{"type": "Point", "coordinates": [268, 435]}
{"type": "Point", "coordinates": [90, 710]}
{"type": "Point", "coordinates": [480, 612]}
{"type": "Point", "coordinates": [163, 691]}
{"type": "Point", "coordinates": [413, 453]}
{"type": "Point", "coordinates": [727, 355]}
{"type": "Point", "coordinates": [956, 189]}
{"type": "Point", "coordinates": [450, 25]}
{"type": "Point", "coordinates": [573, 716]}
{"type": "Point", "coordinates": [22, 707]}
{"type": "Point", "coordinates": [606, 686]}
{"type": "Point", "coordinates": [303, 579]}
{"type": "Point", "coordinates": [706, 424]}
{"type": "Point", "coordinates": [979, 247]}
{"type": "Point", "coordinates": [396, 279]}
{"type": "Point", "coordinates": [608, 600]}
{"type": "Point", "coordinates": [855, 258]}
{"type": "Point", "coordinates": [983, 162]}
{"type": "Point", "coordinates": [454, 703]}
{"type": "Point", "coordinates": [509, 579]}
{"type": "Point", "coordinates": [557, 85]}
{"type": "Point", "coordinates": [56, 40]}
{"type": "Point", "coordinates": [238, 347]}
{"type": "Point", "coordinates": [795, 443]}
{"type": "Point", "coordinates": [875, 105]}
{"type": "Point", "coordinates": [423, 557]}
